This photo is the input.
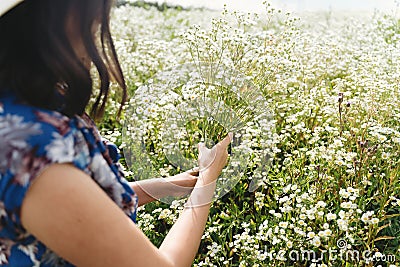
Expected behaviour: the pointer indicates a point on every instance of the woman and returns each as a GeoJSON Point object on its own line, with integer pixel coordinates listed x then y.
{"type": "Point", "coordinates": [63, 198]}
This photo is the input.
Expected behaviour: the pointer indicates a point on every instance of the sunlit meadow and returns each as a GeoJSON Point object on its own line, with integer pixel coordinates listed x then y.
{"type": "Point", "coordinates": [330, 195]}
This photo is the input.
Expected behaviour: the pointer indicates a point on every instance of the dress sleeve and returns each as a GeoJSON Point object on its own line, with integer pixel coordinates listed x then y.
{"type": "Point", "coordinates": [30, 147]}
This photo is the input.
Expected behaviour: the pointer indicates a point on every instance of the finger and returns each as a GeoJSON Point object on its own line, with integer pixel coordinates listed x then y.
{"type": "Point", "coordinates": [227, 140]}
{"type": "Point", "coordinates": [200, 145]}
{"type": "Point", "coordinates": [200, 148]}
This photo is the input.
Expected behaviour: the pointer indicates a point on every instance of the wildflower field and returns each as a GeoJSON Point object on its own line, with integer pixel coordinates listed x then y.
{"type": "Point", "coordinates": [315, 177]}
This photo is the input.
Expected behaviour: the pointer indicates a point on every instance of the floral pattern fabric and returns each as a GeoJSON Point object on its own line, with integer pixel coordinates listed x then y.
{"type": "Point", "coordinates": [33, 139]}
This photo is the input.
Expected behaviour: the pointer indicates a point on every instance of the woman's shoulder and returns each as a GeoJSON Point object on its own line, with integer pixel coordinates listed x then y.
{"type": "Point", "coordinates": [32, 140]}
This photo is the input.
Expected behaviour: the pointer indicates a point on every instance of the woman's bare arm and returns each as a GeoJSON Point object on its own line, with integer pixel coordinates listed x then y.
{"type": "Point", "coordinates": [157, 188]}
{"type": "Point", "coordinates": [67, 211]}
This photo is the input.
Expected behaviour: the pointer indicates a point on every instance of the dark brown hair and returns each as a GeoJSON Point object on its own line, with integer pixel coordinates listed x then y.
{"type": "Point", "coordinates": [37, 57]}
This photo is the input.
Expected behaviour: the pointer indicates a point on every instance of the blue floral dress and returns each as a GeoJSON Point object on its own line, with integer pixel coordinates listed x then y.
{"type": "Point", "coordinates": [32, 139]}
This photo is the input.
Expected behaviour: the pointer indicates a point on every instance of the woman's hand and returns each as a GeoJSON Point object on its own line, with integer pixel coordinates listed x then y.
{"type": "Point", "coordinates": [183, 182]}
{"type": "Point", "coordinates": [212, 161]}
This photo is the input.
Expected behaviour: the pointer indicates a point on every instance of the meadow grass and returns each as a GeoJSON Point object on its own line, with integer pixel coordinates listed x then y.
{"type": "Point", "coordinates": [330, 88]}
